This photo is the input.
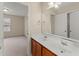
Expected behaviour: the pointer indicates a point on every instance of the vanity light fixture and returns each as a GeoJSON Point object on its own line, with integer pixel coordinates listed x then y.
{"type": "Point", "coordinates": [54, 4]}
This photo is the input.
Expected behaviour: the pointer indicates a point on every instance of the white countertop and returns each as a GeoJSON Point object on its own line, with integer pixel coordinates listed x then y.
{"type": "Point", "coordinates": [53, 43]}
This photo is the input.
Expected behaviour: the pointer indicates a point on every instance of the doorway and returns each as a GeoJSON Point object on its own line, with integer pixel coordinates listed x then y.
{"type": "Point", "coordinates": [15, 38]}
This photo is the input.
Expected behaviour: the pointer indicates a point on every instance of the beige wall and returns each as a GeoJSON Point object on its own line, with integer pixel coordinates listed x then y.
{"type": "Point", "coordinates": [17, 26]}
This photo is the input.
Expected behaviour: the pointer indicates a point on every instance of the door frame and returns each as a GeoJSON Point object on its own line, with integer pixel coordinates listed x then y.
{"type": "Point", "coordinates": [1, 29]}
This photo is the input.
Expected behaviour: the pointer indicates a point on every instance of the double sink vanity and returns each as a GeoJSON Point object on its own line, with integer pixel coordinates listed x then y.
{"type": "Point", "coordinates": [53, 45]}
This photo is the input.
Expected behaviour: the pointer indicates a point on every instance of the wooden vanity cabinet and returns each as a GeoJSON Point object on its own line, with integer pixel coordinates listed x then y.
{"type": "Point", "coordinates": [36, 48]}
{"type": "Point", "coordinates": [39, 50]}
{"type": "Point", "coordinates": [46, 52]}
{"type": "Point", "coordinates": [33, 47]}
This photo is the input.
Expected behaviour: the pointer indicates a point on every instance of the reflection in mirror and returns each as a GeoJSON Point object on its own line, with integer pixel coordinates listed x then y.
{"type": "Point", "coordinates": [61, 19]}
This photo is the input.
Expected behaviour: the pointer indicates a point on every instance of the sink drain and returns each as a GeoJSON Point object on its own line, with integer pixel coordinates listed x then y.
{"type": "Point", "coordinates": [61, 51]}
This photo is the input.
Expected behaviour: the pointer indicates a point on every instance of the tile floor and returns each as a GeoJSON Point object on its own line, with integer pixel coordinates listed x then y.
{"type": "Point", "coordinates": [15, 46]}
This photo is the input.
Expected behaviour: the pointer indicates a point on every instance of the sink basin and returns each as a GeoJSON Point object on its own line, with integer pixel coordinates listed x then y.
{"type": "Point", "coordinates": [66, 43]}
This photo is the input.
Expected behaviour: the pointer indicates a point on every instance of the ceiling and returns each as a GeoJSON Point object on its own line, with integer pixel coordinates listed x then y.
{"type": "Point", "coordinates": [21, 8]}
{"type": "Point", "coordinates": [15, 8]}
{"type": "Point", "coordinates": [64, 7]}
{"type": "Point", "coordinates": [68, 7]}
{"type": "Point", "coordinates": [64, 4]}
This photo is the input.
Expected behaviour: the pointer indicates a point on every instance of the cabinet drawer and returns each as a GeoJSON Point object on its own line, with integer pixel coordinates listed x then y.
{"type": "Point", "coordinates": [46, 52]}
{"type": "Point", "coordinates": [38, 49]}
{"type": "Point", "coordinates": [33, 47]}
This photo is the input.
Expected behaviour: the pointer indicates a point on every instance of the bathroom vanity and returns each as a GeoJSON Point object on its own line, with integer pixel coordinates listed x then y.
{"type": "Point", "coordinates": [40, 50]}
{"type": "Point", "coordinates": [53, 45]}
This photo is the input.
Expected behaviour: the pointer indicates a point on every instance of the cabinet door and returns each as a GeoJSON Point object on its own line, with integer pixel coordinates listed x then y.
{"type": "Point", "coordinates": [38, 49]}
{"type": "Point", "coordinates": [35, 18]}
{"type": "Point", "coordinates": [33, 47]}
{"type": "Point", "coordinates": [46, 52]}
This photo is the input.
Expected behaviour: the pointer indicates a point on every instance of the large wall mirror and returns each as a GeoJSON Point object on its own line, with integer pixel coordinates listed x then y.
{"type": "Point", "coordinates": [62, 18]}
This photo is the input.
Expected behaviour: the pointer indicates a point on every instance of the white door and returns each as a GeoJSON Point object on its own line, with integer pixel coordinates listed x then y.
{"type": "Point", "coordinates": [52, 24]}
{"type": "Point", "coordinates": [35, 18]}
{"type": "Point", "coordinates": [74, 25]}
{"type": "Point", "coordinates": [1, 29]}
{"type": "Point", "coordinates": [61, 24]}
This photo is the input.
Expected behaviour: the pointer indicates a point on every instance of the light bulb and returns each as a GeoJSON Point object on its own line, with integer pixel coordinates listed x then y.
{"type": "Point", "coordinates": [5, 10]}
{"type": "Point", "coordinates": [51, 3]}
{"type": "Point", "coordinates": [56, 6]}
